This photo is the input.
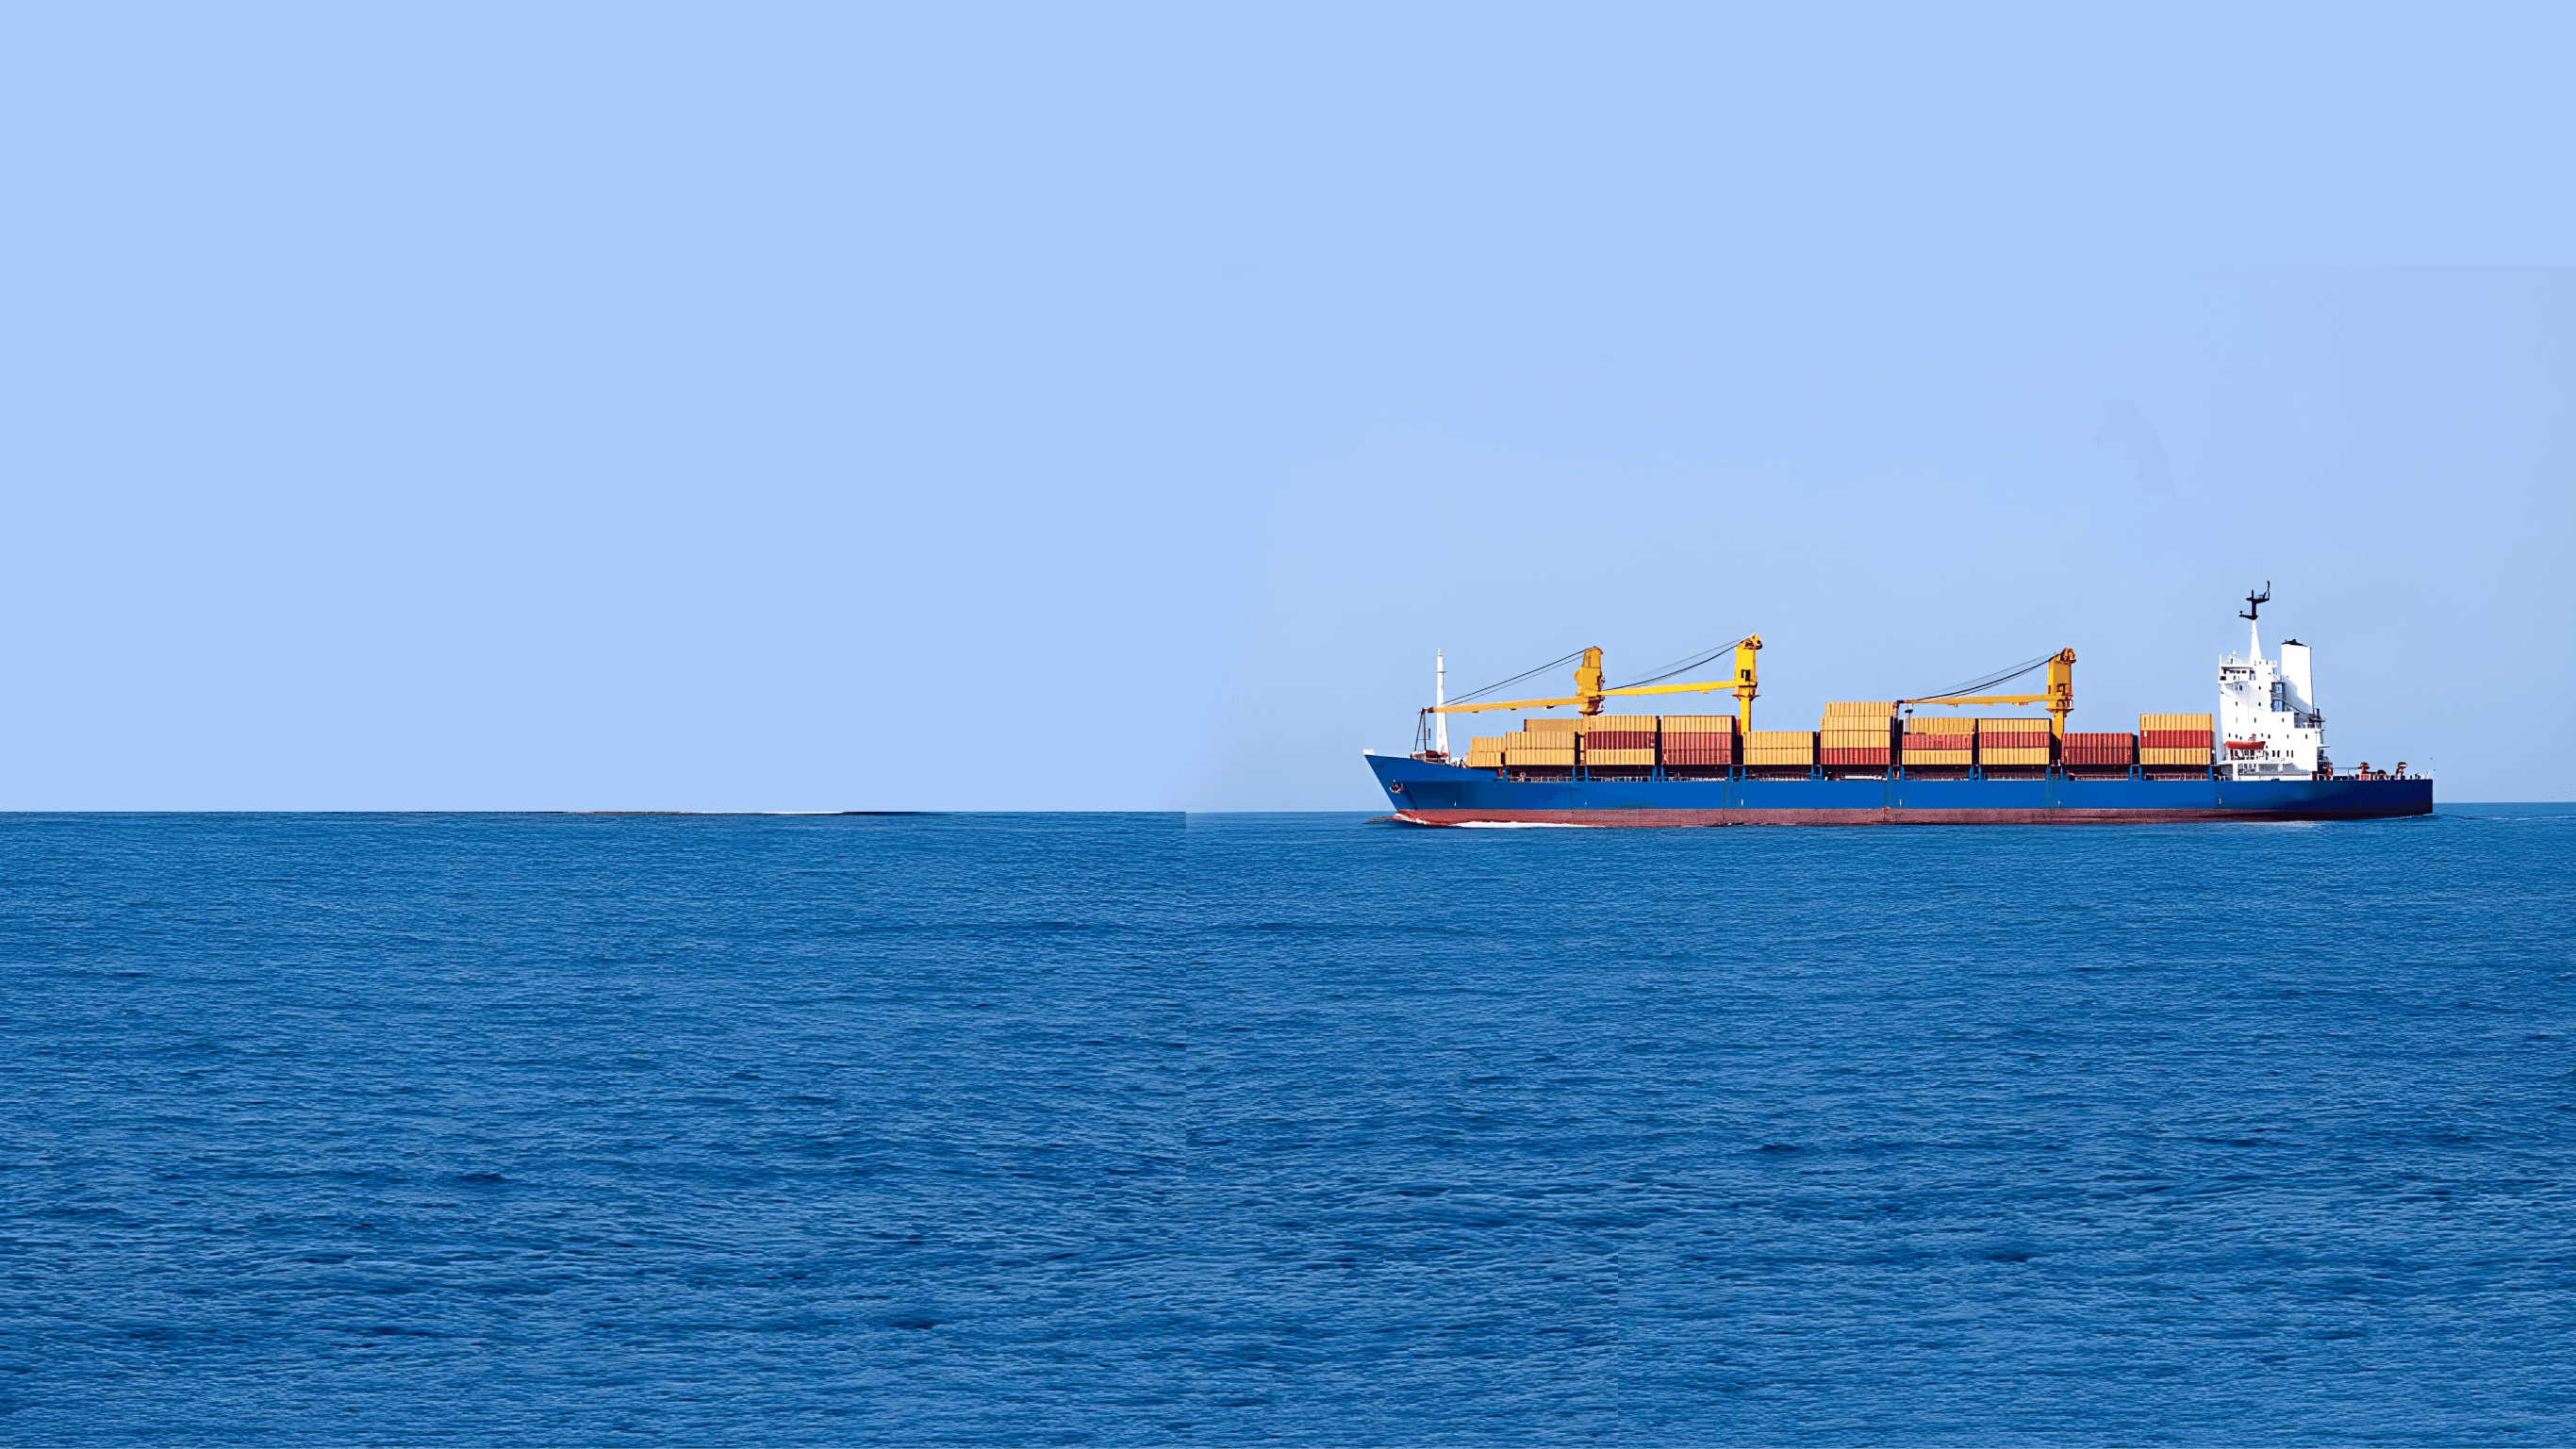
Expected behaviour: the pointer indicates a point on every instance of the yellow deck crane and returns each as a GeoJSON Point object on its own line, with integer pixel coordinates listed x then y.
{"type": "Point", "coordinates": [1588, 692]}
{"type": "Point", "coordinates": [2060, 699]}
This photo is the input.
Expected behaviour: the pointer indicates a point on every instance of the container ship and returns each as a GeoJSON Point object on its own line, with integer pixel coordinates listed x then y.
{"type": "Point", "coordinates": [2261, 755]}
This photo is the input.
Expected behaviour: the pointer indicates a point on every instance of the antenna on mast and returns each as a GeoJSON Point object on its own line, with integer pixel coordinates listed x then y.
{"type": "Point", "coordinates": [2254, 603]}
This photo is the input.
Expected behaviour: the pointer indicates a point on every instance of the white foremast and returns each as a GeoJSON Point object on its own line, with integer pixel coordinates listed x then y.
{"type": "Point", "coordinates": [1440, 696]}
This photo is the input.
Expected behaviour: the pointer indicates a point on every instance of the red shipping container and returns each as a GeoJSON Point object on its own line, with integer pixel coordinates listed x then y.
{"type": "Point", "coordinates": [1619, 740]}
{"type": "Point", "coordinates": [2098, 740]}
{"type": "Point", "coordinates": [1856, 757]}
{"type": "Point", "coordinates": [2173, 739]}
{"type": "Point", "coordinates": [1697, 754]}
{"type": "Point", "coordinates": [2013, 742]}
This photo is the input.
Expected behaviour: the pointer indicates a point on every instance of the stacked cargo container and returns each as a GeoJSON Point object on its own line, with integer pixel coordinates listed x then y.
{"type": "Point", "coordinates": [1544, 747]}
{"type": "Point", "coordinates": [1857, 735]}
{"type": "Point", "coordinates": [1939, 744]}
{"type": "Point", "coordinates": [1772, 751]}
{"type": "Point", "coordinates": [1853, 736]}
{"type": "Point", "coordinates": [2014, 744]}
{"type": "Point", "coordinates": [1621, 744]}
{"type": "Point", "coordinates": [2175, 741]}
{"type": "Point", "coordinates": [2096, 752]}
{"type": "Point", "coordinates": [1697, 744]}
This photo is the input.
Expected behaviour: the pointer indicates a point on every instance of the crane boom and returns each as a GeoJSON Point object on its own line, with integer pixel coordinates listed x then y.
{"type": "Point", "coordinates": [1589, 693]}
{"type": "Point", "coordinates": [1594, 698]}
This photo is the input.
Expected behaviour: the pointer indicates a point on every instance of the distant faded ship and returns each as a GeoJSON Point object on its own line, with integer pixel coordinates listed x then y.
{"type": "Point", "coordinates": [1880, 762]}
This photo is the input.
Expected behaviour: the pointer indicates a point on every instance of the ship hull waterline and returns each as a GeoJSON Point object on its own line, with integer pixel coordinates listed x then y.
{"type": "Point", "coordinates": [1425, 792]}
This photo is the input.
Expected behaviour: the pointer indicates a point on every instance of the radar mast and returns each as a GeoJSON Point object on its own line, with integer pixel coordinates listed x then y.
{"type": "Point", "coordinates": [2252, 613]}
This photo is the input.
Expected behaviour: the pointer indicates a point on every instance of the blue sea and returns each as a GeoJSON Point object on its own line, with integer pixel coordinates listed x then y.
{"type": "Point", "coordinates": [1152, 1129]}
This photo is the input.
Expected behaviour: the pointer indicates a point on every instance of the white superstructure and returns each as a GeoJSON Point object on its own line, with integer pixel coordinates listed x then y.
{"type": "Point", "coordinates": [2268, 723]}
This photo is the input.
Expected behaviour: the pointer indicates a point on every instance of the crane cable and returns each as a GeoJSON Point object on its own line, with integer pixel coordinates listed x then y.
{"type": "Point", "coordinates": [1515, 679]}
{"type": "Point", "coordinates": [1681, 667]}
{"type": "Point", "coordinates": [1982, 685]}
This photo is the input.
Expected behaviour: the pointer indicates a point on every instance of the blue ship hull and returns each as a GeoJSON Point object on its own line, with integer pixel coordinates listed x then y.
{"type": "Point", "coordinates": [1427, 793]}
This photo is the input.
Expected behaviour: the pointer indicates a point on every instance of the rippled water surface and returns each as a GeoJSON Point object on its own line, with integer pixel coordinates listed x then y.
{"type": "Point", "coordinates": [1134, 1129]}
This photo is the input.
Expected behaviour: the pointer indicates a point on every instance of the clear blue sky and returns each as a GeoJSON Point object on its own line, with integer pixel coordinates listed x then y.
{"type": "Point", "coordinates": [1075, 407]}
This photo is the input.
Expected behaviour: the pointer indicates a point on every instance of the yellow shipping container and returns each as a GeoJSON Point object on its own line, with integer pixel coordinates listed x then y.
{"type": "Point", "coordinates": [1883, 709]}
{"type": "Point", "coordinates": [1699, 724]}
{"type": "Point", "coordinates": [1484, 742]}
{"type": "Point", "coordinates": [1484, 759]}
{"type": "Point", "coordinates": [1779, 757]}
{"type": "Point", "coordinates": [1599, 758]}
{"type": "Point", "coordinates": [2173, 757]}
{"type": "Point", "coordinates": [1619, 722]}
{"type": "Point", "coordinates": [1854, 739]}
{"type": "Point", "coordinates": [2177, 721]}
{"type": "Point", "coordinates": [1779, 739]}
{"type": "Point", "coordinates": [2012, 726]}
{"type": "Point", "coordinates": [1548, 726]}
{"type": "Point", "coordinates": [1539, 757]}
{"type": "Point", "coordinates": [2015, 757]}
{"type": "Point", "coordinates": [1914, 756]}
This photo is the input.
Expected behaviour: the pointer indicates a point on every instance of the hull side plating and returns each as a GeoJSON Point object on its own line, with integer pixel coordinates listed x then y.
{"type": "Point", "coordinates": [1434, 794]}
